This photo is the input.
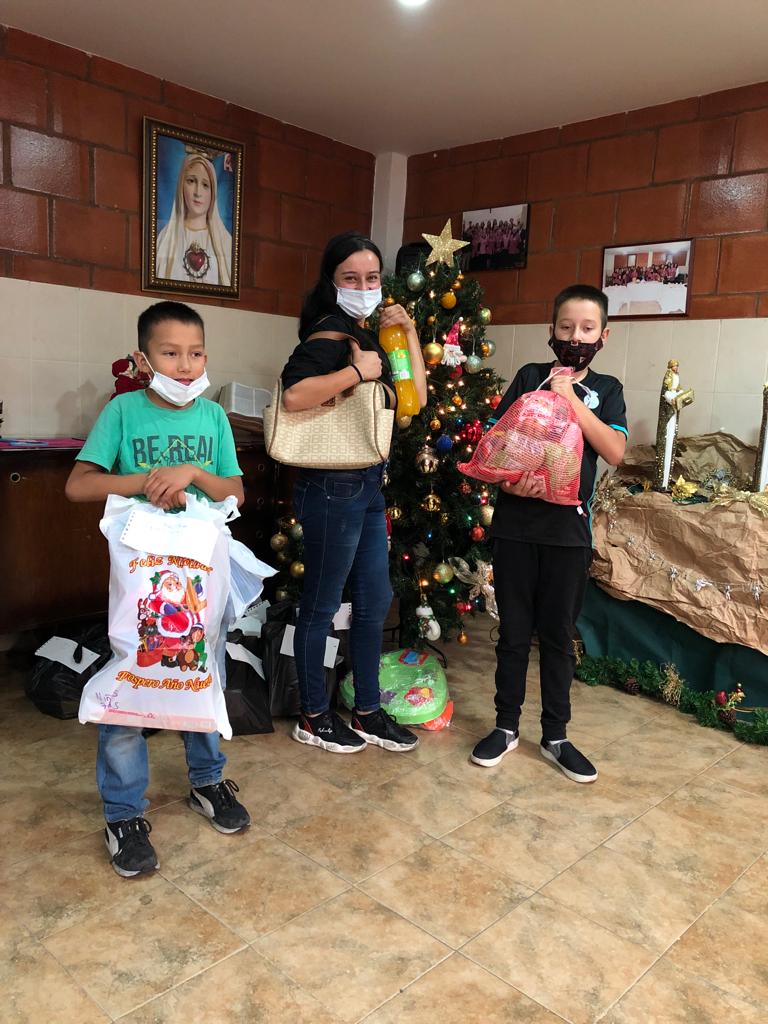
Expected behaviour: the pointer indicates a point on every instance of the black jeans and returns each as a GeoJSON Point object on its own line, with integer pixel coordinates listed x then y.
{"type": "Point", "coordinates": [539, 587]}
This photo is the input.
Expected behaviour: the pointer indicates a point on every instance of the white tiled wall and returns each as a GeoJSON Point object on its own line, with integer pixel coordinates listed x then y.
{"type": "Point", "coordinates": [57, 346]}
{"type": "Point", "coordinates": [725, 361]}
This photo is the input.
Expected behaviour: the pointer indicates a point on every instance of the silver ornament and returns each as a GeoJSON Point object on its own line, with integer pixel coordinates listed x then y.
{"type": "Point", "coordinates": [473, 364]}
{"type": "Point", "coordinates": [416, 281]}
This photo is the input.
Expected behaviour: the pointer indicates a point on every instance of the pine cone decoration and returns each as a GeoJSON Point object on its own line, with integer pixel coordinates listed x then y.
{"type": "Point", "coordinates": [632, 686]}
{"type": "Point", "coordinates": [727, 716]}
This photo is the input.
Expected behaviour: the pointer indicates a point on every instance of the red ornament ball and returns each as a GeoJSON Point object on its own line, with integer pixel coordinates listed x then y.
{"type": "Point", "coordinates": [456, 372]}
{"type": "Point", "coordinates": [495, 401]}
{"type": "Point", "coordinates": [477, 533]}
{"type": "Point", "coordinates": [471, 432]}
{"type": "Point", "coordinates": [721, 698]}
{"type": "Point", "coordinates": [465, 488]}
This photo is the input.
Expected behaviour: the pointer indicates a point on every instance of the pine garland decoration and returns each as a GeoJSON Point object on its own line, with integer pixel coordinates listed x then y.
{"type": "Point", "coordinates": [663, 682]}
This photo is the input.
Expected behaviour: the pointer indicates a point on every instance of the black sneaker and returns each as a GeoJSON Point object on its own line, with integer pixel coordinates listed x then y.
{"type": "Point", "coordinates": [329, 732]}
{"type": "Point", "coordinates": [219, 804]}
{"type": "Point", "coordinates": [569, 760]}
{"type": "Point", "coordinates": [492, 749]}
{"type": "Point", "coordinates": [129, 847]}
{"type": "Point", "coordinates": [382, 730]}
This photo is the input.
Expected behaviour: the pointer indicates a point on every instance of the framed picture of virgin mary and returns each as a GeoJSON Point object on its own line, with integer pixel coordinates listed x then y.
{"type": "Point", "coordinates": [192, 204]}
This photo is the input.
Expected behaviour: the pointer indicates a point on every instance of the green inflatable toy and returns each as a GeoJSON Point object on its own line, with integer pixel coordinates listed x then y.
{"type": "Point", "coordinates": [413, 687]}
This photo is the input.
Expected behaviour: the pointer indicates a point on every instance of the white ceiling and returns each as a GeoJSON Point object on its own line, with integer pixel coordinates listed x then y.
{"type": "Point", "coordinates": [382, 77]}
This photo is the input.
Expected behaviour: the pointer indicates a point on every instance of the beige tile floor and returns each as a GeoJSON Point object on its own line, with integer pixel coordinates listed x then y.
{"type": "Point", "coordinates": [397, 888]}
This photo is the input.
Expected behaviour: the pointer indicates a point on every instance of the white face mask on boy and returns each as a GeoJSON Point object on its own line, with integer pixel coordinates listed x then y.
{"type": "Point", "coordinates": [358, 304]}
{"type": "Point", "coordinates": [174, 391]}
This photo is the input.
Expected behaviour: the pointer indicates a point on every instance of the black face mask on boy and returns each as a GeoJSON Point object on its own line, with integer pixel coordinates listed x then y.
{"type": "Point", "coordinates": [578, 356]}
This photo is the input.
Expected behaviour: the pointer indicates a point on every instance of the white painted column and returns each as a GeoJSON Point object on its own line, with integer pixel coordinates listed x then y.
{"type": "Point", "coordinates": [389, 187]}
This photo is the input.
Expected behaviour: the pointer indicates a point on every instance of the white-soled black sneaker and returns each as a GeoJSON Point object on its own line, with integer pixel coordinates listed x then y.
{"type": "Point", "coordinates": [569, 760]}
{"type": "Point", "coordinates": [381, 730]}
{"type": "Point", "coordinates": [129, 847]}
{"type": "Point", "coordinates": [219, 804]}
{"type": "Point", "coordinates": [490, 750]}
{"type": "Point", "coordinates": [329, 732]}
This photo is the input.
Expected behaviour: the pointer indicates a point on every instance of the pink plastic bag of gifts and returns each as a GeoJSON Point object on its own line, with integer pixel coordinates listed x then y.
{"type": "Point", "coordinates": [538, 434]}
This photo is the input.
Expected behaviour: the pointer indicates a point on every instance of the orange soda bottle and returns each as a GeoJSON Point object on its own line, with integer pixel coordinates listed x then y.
{"type": "Point", "coordinates": [395, 344]}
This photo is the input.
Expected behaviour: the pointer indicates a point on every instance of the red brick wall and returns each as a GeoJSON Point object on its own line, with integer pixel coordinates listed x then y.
{"type": "Point", "coordinates": [70, 172]}
{"type": "Point", "coordinates": [693, 168]}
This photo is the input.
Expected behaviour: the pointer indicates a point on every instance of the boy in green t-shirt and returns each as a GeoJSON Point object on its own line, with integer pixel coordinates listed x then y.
{"type": "Point", "coordinates": [157, 444]}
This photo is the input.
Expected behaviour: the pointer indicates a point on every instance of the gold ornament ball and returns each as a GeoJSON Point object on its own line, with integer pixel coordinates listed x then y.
{"type": "Point", "coordinates": [431, 503]}
{"type": "Point", "coordinates": [389, 301]}
{"type": "Point", "coordinates": [395, 513]}
{"type": "Point", "coordinates": [433, 353]}
{"type": "Point", "coordinates": [457, 400]}
{"type": "Point", "coordinates": [296, 570]}
{"type": "Point", "coordinates": [404, 422]}
{"type": "Point", "coordinates": [448, 300]}
{"type": "Point", "coordinates": [431, 319]}
{"type": "Point", "coordinates": [296, 531]}
{"type": "Point", "coordinates": [281, 594]}
{"type": "Point", "coordinates": [435, 424]}
{"type": "Point", "coordinates": [456, 285]}
{"type": "Point", "coordinates": [284, 557]}
{"type": "Point", "coordinates": [488, 348]}
{"type": "Point", "coordinates": [462, 638]}
{"type": "Point", "coordinates": [443, 573]}
{"type": "Point", "coordinates": [445, 518]}
{"type": "Point", "coordinates": [486, 515]}
{"type": "Point", "coordinates": [484, 315]}
{"type": "Point", "coordinates": [278, 541]}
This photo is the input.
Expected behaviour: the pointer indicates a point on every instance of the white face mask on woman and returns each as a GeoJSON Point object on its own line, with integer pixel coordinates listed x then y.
{"type": "Point", "coordinates": [174, 391]}
{"type": "Point", "coordinates": [358, 304]}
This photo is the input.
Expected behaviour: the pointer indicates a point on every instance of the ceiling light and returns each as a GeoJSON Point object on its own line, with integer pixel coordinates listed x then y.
{"type": "Point", "coordinates": [412, 3]}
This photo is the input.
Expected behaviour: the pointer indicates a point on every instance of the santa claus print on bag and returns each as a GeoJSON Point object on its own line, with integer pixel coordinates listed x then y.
{"type": "Point", "coordinates": [169, 626]}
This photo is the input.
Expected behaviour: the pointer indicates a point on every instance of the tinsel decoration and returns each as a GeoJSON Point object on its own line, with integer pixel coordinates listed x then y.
{"type": "Point", "coordinates": [725, 495]}
{"type": "Point", "coordinates": [672, 686]}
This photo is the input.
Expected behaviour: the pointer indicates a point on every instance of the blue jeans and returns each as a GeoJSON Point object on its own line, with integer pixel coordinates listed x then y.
{"type": "Point", "coordinates": [345, 540]}
{"type": "Point", "coordinates": [122, 767]}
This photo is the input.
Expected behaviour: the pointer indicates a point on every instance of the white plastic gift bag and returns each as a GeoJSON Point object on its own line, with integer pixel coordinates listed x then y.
{"type": "Point", "coordinates": [169, 600]}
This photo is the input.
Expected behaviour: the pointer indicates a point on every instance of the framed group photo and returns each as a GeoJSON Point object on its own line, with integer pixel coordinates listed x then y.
{"type": "Point", "coordinates": [498, 238]}
{"type": "Point", "coordinates": [192, 205]}
{"type": "Point", "coordinates": [647, 280]}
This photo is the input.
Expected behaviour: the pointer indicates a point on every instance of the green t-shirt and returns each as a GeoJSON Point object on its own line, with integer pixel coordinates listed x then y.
{"type": "Point", "coordinates": [133, 435]}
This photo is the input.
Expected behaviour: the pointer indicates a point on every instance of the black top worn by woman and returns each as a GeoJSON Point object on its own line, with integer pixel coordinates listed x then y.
{"type": "Point", "coordinates": [327, 355]}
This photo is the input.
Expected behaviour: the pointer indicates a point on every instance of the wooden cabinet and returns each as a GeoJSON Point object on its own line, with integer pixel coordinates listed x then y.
{"type": "Point", "coordinates": [54, 564]}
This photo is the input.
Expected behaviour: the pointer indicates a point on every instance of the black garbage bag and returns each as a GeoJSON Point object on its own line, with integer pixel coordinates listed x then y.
{"type": "Point", "coordinates": [246, 693]}
{"type": "Point", "coordinates": [280, 669]}
{"type": "Point", "coordinates": [56, 689]}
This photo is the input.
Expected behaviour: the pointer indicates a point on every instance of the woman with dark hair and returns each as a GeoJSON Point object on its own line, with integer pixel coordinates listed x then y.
{"type": "Point", "coordinates": [342, 511]}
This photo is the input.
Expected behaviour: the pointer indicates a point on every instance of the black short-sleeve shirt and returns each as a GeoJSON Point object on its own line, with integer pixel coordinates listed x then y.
{"type": "Point", "coordinates": [542, 522]}
{"type": "Point", "coordinates": [325, 355]}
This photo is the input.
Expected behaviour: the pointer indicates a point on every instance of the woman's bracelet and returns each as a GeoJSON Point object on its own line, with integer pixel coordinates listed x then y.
{"type": "Point", "coordinates": [357, 372]}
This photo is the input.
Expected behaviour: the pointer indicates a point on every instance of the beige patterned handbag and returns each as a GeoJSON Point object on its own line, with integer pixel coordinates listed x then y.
{"type": "Point", "coordinates": [352, 430]}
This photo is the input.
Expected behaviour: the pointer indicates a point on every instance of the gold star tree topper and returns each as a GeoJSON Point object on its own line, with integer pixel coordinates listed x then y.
{"type": "Point", "coordinates": [443, 246]}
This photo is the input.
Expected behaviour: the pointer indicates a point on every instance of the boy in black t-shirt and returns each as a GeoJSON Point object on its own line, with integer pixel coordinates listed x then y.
{"type": "Point", "coordinates": [541, 551]}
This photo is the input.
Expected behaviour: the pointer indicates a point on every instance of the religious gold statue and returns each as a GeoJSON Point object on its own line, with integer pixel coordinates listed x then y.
{"type": "Point", "coordinates": [673, 400]}
{"type": "Point", "coordinates": [760, 481]}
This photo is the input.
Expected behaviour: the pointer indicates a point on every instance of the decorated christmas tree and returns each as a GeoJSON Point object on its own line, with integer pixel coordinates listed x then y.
{"type": "Point", "coordinates": [437, 518]}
